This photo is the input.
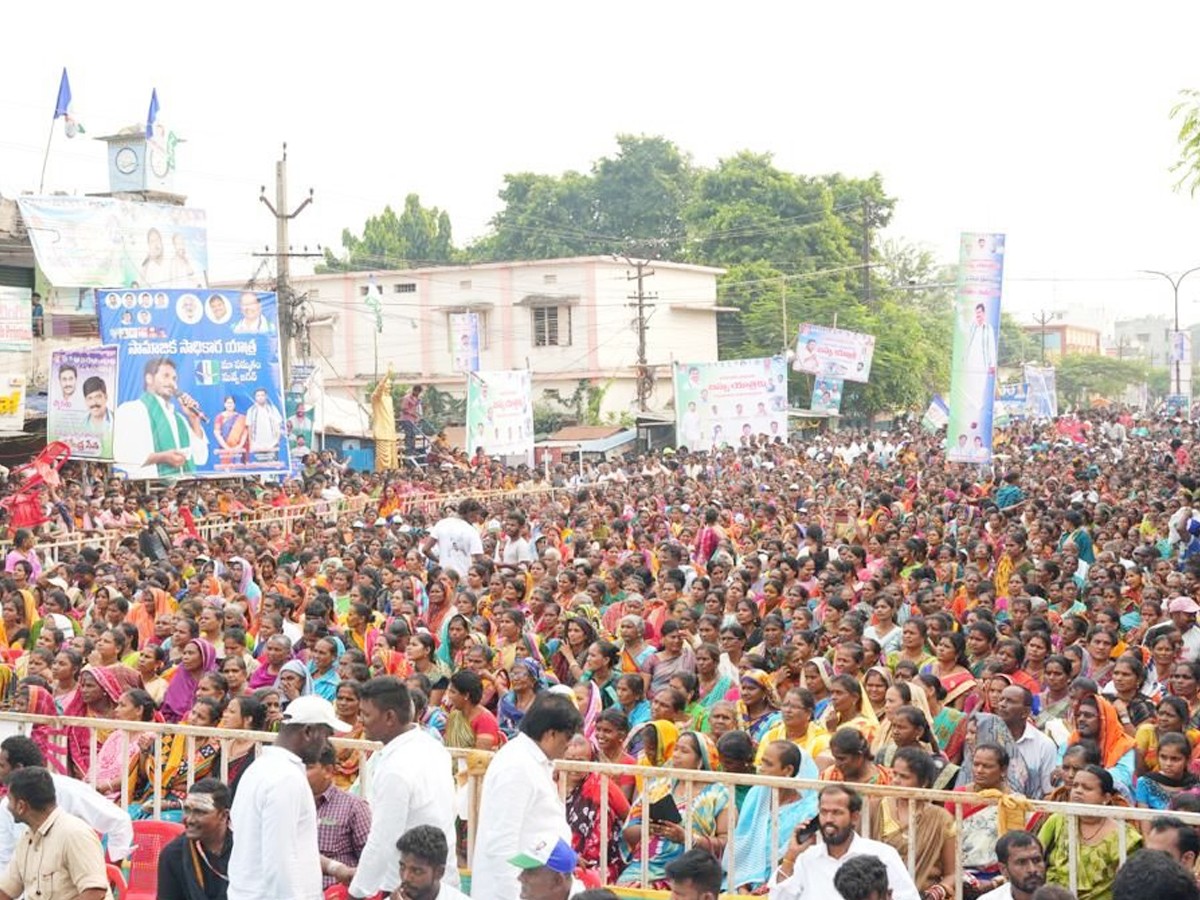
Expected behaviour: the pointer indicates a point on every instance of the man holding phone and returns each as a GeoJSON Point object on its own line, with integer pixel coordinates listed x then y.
{"type": "Point", "coordinates": [807, 869]}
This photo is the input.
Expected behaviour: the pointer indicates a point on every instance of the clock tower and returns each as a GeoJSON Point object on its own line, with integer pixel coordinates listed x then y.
{"type": "Point", "coordinates": [140, 165]}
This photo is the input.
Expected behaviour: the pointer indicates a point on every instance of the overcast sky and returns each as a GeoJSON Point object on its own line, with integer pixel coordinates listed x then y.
{"type": "Point", "coordinates": [1047, 121]}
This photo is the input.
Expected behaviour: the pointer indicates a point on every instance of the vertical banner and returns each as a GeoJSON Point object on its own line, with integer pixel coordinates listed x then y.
{"type": "Point", "coordinates": [1181, 364]}
{"type": "Point", "coordinates": [464, 341]}
{"type": "Point", "coordinates": [199, 388]}
{"type": "Point", "coordinates": [12, 392]}
{"type": "Point", "coordinates": [1043, 391]}
{"type": "Point", "coordinates": [500, 412]}
{"type": "Point", "coordinates": [826, 395]}
{"type": "Point", "coordinates": [937, 416]}
{"type": "Point", "coordinates": [16, 320]}
{"type": "Point", "coordinates": [976, 346]}
{"type": "Point", "coordinates": [722, 403]}
{"type": "Point", "coordinates": [299, 412]}
{"type": "Point", "coordinates": [82, 399]}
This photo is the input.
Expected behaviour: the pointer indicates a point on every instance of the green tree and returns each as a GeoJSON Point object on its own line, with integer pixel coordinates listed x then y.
{"type": "Point", "coordinates": [543, 217]}
{"type": "Point", "coordinates": [1081, 377]}
{"type": "Point", "coordinates": [1017, 345]}
{"type": "Point", "coordinates": [1187, 167]}
{"type": "Point", "coordinates": [390, 241]}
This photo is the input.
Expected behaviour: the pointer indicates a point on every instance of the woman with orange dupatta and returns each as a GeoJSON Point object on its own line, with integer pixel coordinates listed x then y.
{"type": "Point", "coordinates": [99, 691]}
{"type": "Point", "coordinates": [149, 603]}
{"type": "Point", "coordinates": [1097, 720]}
{"type": "Point", "coordinates": [50, 739]}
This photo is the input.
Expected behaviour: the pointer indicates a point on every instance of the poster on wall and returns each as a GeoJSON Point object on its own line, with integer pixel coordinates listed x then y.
{"type": "Point", "coordinates": [13, 385]}
{"type": "Point", "coordinates": [464, 339]}
{"type": "Point", "coordinates": [834, 352]}
{"type": "Point", "coordinates": [16, 320]}
{"type": "Point", "coordinates": [100, 242]}
{"type": "Point", "coordinates": [500, 412]}
{"type": "Point", "coordinates": [976, 345]}
{"type": "Point", "coordinates": [300, 412]}
{"type": "Point", "coordinates": [719, 403]}
{"type": "Point", "coordinates": [199, 388]}
{"type": "Point", "coordinates": [826, 395]}
{"type": "Point", "coordinates": [82, 398]}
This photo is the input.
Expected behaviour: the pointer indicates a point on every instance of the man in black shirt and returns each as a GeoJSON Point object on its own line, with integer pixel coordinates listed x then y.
{"type": "Point", "coordinates": [194, 865]}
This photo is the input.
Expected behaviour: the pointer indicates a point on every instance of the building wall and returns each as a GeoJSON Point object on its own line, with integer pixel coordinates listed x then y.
{"type": "Point", "coordinates": [587, 299]}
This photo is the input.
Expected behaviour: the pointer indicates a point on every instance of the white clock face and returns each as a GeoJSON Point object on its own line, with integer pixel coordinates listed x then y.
{"type": "Point", "coordinates": [126, 160]}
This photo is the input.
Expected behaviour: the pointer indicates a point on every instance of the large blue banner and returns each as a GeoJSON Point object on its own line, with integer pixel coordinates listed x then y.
{"type": "Point", "coordinates": [200, 390]}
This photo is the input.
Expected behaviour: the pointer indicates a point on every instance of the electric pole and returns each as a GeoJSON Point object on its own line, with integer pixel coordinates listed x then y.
{"type": "Point", "coordinates": [640, 298]}
{"type": "Point", "coordinates": [1041, 319]}
{"type": "Point", "coordinates": [283, 255]}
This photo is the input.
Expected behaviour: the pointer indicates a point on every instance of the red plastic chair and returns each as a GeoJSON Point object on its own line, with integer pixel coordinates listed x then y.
{"type": "Point", "coordinates": [116, 882]}
{"type": "Point", "coordinates": [149, 838]}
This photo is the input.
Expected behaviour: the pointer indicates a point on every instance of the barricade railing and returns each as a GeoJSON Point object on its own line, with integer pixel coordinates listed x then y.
{"type": "Point", "coordinates": [471, 768]}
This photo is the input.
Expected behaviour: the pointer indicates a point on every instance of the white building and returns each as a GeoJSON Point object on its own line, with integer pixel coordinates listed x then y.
{"type": "Point", "coordinates": [565, 319]}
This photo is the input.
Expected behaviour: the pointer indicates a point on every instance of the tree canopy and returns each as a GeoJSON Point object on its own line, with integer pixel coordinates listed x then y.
{"type": "Point", "coordinates": [418, 235]}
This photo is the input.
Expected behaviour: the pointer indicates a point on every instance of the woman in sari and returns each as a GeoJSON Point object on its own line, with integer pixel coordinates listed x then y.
{"type": "Point", "coordinates": [985, 728]}
{"type": "Point", "coordinates": [818, 679]}
{"type": "Point", "coordinates": [294, 681]}
{"type": "Point", "coordinates": [469, 725]}
{"type": "Point", "coordinates": [760, 704]}
{"type": "Point", "coordinates": [762, 832]}
{"type": "Point", "coordinates": [848, 708]}
{"type": "Point", "coordinates": [797, 726]}
{"type": "Point", "coordinates": [99, 691]}
{"type": "Point", "coordinates": [1170, 716]}
{"type": "Point", "coordinates": [229, 428]}
{"type": "Point", "coordinates": [943, 719]}
{"type": "Point", "coordinates": [635, 652]}
{"type": "Point", "coordinates": [277, 652]}
{"type": "Point", "coordinates": [243, 714]}
{"type": "Point", "coordinates": [984, 824]}
{"type": "Point", "coordinates": [346, 761]}
{"type": "Point", "coordinates": [936, 848]}
{"type": "Point", "coordinates": [1055, 700]}
{"type": "Point", "coordinates": [704, 805]}
{"type": "Point", "coordinates": [121, 747]}
{"type": "Point", "coordinates": [174, 764]}
{"type": "Point", "coordinates": [568, 661]}
{"type": "Point", "coordinates": [1097, 720]}
{"type": "Point", "coordinates": [583, 803]}
{"type": "Point", "coordinates": [713, 685]}
{"type": "Point", "coordinates": [454, 641]}
{"type": "Point", "coordinates": [525, 676]}
{"type": "Point", "coordinates": [952, 668]}
{"type": "Point", "coordinates": [50, 739]}
{"type": "Point", "coordinates": [198, 658]}
{"type": "Point", "coordinates": [852, 761]}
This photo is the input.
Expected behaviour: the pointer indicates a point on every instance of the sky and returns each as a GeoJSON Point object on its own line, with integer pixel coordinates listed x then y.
{"type": "Point", "coordinates": [1046, 121]}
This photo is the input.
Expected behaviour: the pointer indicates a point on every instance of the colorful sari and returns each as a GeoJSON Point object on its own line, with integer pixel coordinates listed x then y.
{"type": "Point", "coordinates": [583, 817]}
{"type": "Point", "coordinates": [79, 751]}
{"type": "Point", "coordinates": [175, 768]}
{"type": "Point", "coordinates": [760, 836]}
{"type": "Point", "coordinates": [50, 739]}
{"type": "Point", "coordinates": [181, 692]}
{"type": "Point", "coordinates": [346, 761]}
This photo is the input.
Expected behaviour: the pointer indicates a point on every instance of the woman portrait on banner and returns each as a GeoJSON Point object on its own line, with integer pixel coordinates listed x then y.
{"type": "Point", "coordinates": [229, 428]}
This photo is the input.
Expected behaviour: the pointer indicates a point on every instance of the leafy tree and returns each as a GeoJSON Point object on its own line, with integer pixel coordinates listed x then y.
{"type": "Point", "coordinates": [1187, 167]}
{"type": "Point", "coordinates": [390, 241]}
{"type": "Point", "coordinates": [1082, 377]}
{"type": "Point", "coordinates": [1017, 345]}
{"type": "Point", "coordinates": [544, 217]}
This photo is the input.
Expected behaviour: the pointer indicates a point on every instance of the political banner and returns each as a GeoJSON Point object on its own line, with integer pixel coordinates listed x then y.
{"type": "Point", "coordinates": [300, 412]}
{"type": "Point", "coordinates": [834, 352]}
{"type": "Point", "coordinates": [1043, 391]}
{"type": "Point", "coordinates": [13, 383]}
{"type": "Point", "coordinates": [1013, 400]}
{"type": "Point", "coordinates": [500, 412]}
{"type": "Point", "coordinates": [464, 341]}
{"type": "Point", "coordinates": [104, 243]}
{"type": "Point", "coordinates": [826, 395]}
{"type": "Point", "coordinates": [1181, 364]}
{"type": "Point", "coordinates": [976, 344]}
{"type": "Point", "coordinates": [16, 320]}
{"type": "Point", "coordinates": [719, 403]}
{"type": "Point", "coordinates": [937, 416]}
{"type": "Point", "coordinates": [82, 399]}
{"type": "Point", "coordinates": [199, 388]}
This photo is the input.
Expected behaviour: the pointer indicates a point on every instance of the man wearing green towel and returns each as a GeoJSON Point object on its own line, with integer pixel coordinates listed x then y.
{"type": "Point", "coordinates": [155, 438]}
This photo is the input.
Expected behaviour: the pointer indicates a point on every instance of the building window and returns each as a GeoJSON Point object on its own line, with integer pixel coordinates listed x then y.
{"type": "Point", "coordinates": [320, 335]}
{"type": "Point", "coordinates": [551, 326]}
{"type": "Point", "coordinates": [549, 279]}
{"type": "Point", "coordinates": [405, 287]}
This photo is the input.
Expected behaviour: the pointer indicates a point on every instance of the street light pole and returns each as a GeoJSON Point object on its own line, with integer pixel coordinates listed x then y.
{"type": "Point", "coordinates": [1175, 283]}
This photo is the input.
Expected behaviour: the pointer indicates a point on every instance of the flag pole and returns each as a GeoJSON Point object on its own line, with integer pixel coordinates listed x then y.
{"type": "Point", "coordinates": [46, 156]}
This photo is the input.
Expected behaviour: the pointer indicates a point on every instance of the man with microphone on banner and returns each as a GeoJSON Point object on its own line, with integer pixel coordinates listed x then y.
{"type": "Point", "coordinates": [152, 438]}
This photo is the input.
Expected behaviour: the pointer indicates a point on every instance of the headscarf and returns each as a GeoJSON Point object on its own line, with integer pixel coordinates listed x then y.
{"type": "Point", "coordinates": [299, 668]}
{"type": "Point", "coordinates": [180, 696]}
{"type": "Point", "coordinates": [1114, 742]}
{"type": "Point", "coordinates": [710, 758]}
{"type": "Point", "coordinates": [78, 737]}
{"type": "Point", "coordinates": [444, 651]}
{"type": "Point", "coordinates": [990, 729]}
{"type": "Point", "coordinates": [394, 661]}
{"type": "Point", "coordinates": [532, 666]}
{"type": "Point", "coordinates": [763, 680]}
{"type": "Point", "coordinates": [824, 667]}
{"type": "Point", "coordinates": [48, 738]}
{"type": "Point", "coordinates": [590, 708]}
{"type": "Point", "coordinates": [667, 733]}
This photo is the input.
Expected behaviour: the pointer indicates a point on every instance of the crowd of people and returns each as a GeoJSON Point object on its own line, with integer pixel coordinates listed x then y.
{"type": "Point", "coordinates": [844, 608]}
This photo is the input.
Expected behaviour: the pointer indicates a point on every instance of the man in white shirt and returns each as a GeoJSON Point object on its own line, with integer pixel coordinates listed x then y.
{"type": "Point", "coordinates": [1182, 611]}
{"type": "Point", "coordinates": [265, 423]}
{"type": "Point", "coordinates": [520, 803]}
{"type": "Point", "coordinates": [1023, 865]}
{"type": "Point", "coordinates": [274, 815]}
{"type": "Point", "coordinates": [1038, 751]}
{"type": "Point", "coordinates": [423, 854]}
{"type": "Point", "coordinates": [808, 874]}
{"type": "Point", "coordinates": [74, 796]}
{"type": "Point", "coordinates": [514, 548]}
{"type": "Point", "coordinates": [457, 539]}
{"type": "Point", "coordinates": [412, 783]}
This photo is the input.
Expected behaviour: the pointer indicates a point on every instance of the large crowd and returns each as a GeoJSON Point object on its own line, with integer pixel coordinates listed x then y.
{"type": "Point", "coordinates": [843, 607]}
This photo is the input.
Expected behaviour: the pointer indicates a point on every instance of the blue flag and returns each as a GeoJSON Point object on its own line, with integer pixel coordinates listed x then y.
{"type": "Point", "coordinates": [62, 108]}
{"type": "Point", "coordinates": [152, 115]}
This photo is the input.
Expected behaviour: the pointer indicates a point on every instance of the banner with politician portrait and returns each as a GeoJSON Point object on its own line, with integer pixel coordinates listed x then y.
{"type": "Point", "coordinates": [199, 388]}
{"type": "Point", "coordinates": [1043, 391]}
{"type": "Point", "coordinates": [82, 399]}
{"type": "Point", "coordinates": [719, 403]}
{"type": "Point", "coordinates": [834, 352]}
{"type": "Point", "coordinates": [464, 341]}
{"type": "Point", "coordinates": [826, 395]}
{"type": "Point", "coordinates": [500, 412]}
{"type": "Point", "coordinates": [976, 345]}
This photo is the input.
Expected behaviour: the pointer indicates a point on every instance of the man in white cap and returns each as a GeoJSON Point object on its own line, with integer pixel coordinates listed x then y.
{"type": "Point", "coordinates": [274, 815]}
{"type": "Point", "coordinates": [547, 870]}
{"type": "Point", "coordinates": [1182, 611]}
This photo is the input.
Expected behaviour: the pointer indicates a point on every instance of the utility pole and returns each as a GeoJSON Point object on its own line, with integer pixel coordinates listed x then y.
{"type": "Point", "coordinates": [1041, 319]}
{"type": "Point", "coordinates": [283, 255]}
{"type": "Point", "coordinates": [640, 298]}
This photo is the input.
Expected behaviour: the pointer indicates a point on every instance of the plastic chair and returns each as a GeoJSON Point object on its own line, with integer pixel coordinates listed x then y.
{"type": "Point", "coordinates": [116, 882]}
{"type": "Point", "coordinates": [149, 838]}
